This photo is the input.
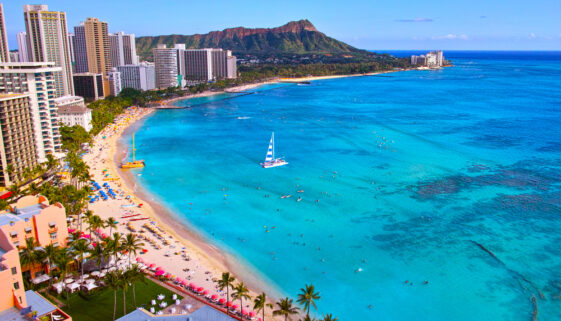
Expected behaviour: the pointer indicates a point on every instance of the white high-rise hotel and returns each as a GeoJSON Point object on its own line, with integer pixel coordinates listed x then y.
{"type": "Point", "coordinates": [123, 49]}
{"type": "Point", "coordinates": [47, 41]}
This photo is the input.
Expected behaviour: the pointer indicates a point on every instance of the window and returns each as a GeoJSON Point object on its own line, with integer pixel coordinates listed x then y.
{"type": "Point", "coordinates": [14, 270]}
{"type": "Point", "coordinates": [16, 285]}
{"type": "Point", "coordinates": [53, 236]}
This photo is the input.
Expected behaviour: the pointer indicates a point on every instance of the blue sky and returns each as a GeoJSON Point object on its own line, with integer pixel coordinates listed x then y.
{"type": "Point", "coordinates": [377, 25]}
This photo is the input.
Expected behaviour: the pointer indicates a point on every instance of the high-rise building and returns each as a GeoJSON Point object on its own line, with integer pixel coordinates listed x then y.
{"type": "Point", "coordinates": [17, 146]}
{"type": "Point", "coordinates": [140, 77]}
{"type": "Point", "coordinates": [97, 47]}
{"type": "Point", "coordinates": [38, 80]}
{"type": "Point", "coordinates": [72, 53]}
{"type": "Point", "coordinates": [22, 47]}
{"type": "Point", "coordinates": [208, 64]}
{"type": "Point", "coordinates": [4, 48]}
{"type": "Point", "coordinates": [123, 49]}
{"type": "Point", "coordinates": [114, 78]}
{"type": "Point", "coordinates": [47, 41]}
{"type": "Point", "coordinates": [89, 85]}
{"type": "Point", "coordinates": [80, 51]}
{"type": "Point", "coordinates": [165, 61]}
{"type": "Point", "coordinates": [14, 56]}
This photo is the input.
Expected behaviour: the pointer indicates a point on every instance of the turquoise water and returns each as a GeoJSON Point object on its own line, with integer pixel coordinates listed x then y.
{"type": "Point", "coordinates": [407, 176]}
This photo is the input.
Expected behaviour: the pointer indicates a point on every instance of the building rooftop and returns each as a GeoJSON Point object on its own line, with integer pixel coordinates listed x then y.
{"type": "Point", "coordinates": [38, 303]}
{"type": "Point", "coordinates": [205, 313]}
{"type": "Point", "coordinates": [12, 314]}
{"type": "Point", "coordinates": [75, 109]}
{"type": "Point", "coordinates": [12, 96]}
{"type": "Point", "coordinates": [20, 214]}
{"type": "Point", "coordinates": [84, 74]}
{"type": "Point", "coordinates": [68, 99]}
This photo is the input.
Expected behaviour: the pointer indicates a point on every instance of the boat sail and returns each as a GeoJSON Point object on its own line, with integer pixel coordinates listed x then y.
{"type": "Point", "coordinates": [270, 160]}
{"type": "Point", "coordinates": [135, 163]}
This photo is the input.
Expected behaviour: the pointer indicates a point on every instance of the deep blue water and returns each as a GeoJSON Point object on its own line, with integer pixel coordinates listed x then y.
{"type": "Point", "coordinates": [448, 176]}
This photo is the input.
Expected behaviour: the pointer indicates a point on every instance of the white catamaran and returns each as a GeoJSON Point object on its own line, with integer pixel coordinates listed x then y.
{"type": "Point", "coordinates": [270, 160]}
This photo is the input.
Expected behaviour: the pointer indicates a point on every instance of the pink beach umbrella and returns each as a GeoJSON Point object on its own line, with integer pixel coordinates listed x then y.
{"type": "Point", "coordinates": [184, 283]}
{"type": "Point", "coordinates": [178, 280]}
{"type": "Point", "coordinates": [138, 259]}
{"type": "Point", "coordinates": [71, 230]}
{"type": "Point", "coordinates": [160, 272]}
{"type": "Point", "coordinates": [159, 268]}
{"type": "Point", "coordinates": [214, 297]}
{"type": "Point", "coordinates": [193, 286]}
{"type": "Point", "coordinates": [144, 251]}
{"type": "Point", "coordinates": [205, 292]}
{"type": "Point", "coordinates": [201, 289]}
{"type": "Point", "coordinates": [252, 314]}
{"type": "Point", "coordinates": [234, 307]}
{"type": "Point", "coordinates": [244, 312]}
{"type": "Point", "coordinates": [152, 265]}
{"type": "Point", "coordinates": [222, 301]}
{"type": "Point", "coordinates": [228, 304]}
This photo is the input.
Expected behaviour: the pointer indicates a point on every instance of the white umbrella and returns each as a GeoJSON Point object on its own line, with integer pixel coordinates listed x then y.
{"type": "Point", "coordinates": [101, 274]}
{"type": "Point", "coordinates": [69, 280]}
{"type": "Point", "coordinates": [96, 273]}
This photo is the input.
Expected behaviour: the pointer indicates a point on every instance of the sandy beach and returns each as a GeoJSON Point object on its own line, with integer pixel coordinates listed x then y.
{"type": "Point", "coordinates": [176, 248]}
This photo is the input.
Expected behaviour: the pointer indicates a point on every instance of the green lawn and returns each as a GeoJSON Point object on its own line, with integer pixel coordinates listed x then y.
{"type": "Point", "coordinates": [99, 306]}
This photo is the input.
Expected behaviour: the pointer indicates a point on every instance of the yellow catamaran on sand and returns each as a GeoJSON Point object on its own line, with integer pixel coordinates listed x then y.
{"type": "Point", "coordinates": [135, 163]}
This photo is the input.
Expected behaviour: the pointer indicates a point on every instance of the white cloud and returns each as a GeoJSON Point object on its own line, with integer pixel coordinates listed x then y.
{"type": "Point", "coordinates": [450, 37]}
{"type": "Point", "coordinates": [532, 35]}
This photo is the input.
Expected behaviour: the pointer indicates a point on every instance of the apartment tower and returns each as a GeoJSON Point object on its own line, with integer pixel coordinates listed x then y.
{"type": "Point", "coordinates": [98, 50]}
{"type": "Point", "coordinates": [123, 49]}
{"type": "Point", "coordinates": [4, 49]}
{"type": "Point", "coordinates": [165, 61]}
{"type": "Point", "coordinates": [47, 41]}
{"type": "Point", "coordinates": [22, 47]}
{"type": "Point", "coordinates": [80, 51]}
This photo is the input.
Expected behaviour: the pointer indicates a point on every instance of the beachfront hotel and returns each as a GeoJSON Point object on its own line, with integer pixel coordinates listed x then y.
{"type": "Point", "coordinates": [89, 85]}
{"type": "Point", "coordinates": [38, 80]}
{"type": "Point", "coordinates": [123, 49]}
{"type": "Point", "coordinates": [165, 61]}
{"type": "Point", "coordinates": [47, 41]}
{"type": "Point", "coordinates": [76, 115]}
{"type": "Point", "coordinates": [17, 146]}
{"type": "Point", "coordinates": [140, 77]}
{"type": "Point", "coordinates": [30, 216]}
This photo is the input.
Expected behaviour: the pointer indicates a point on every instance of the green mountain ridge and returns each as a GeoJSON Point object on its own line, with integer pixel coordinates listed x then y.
{"type": "Point", "coordinates": [296, 37]}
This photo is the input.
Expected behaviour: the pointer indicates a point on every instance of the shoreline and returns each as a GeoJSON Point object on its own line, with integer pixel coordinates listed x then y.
{"type": "Point", "coordinates": [205, 256]}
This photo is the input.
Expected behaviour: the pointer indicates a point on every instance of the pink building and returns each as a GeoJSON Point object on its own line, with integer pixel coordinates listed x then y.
{"type": "Point", "coordinates": [33, 216]}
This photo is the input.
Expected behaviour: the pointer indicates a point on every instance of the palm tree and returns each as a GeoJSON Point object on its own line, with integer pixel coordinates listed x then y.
{"type": "Point", "coordinates": [241, 292]}
{"type": "Point", "coordinates": [308, 298]}
{"type": "Point", "coordinates": [226, 283]}
{"type": "Point", "coordinates": [132, 244]}
{"type": "Point", "coordinates": [113, 245]}
{"type": "Point", "coordinates": [15, 190]}
{"type": "Point", "coordinates": [135, 275]}
{"type": "Point", "coordinates": [125, 279]}
{"type": "Point", "coordinates": [111, 224]}
{"type": "Point", "coordinates": [97, 253]}
{"type": "Point", "coordinates": [80, 248]}
{"type": "Point", "coordinates": [308, 318]}
{"type": "Point", "coordinates": [95, 223]}
{"type": "Point", "coordinates": [29, 255]}
{"type": "Point", "coordinates": [50, 254]}
{"type": "Point", "coordinates": [113, 281]}
{"type": "Point", "coordinates": [63, 262]}
{"type": "Point", "coordinates": [286, 309]}
{"type": "Point", "coordinates": [51, 162]}
{"type": "Point", "coordinates": [329, 317]}
{"type": "Point", "coordinates": [260, 303]}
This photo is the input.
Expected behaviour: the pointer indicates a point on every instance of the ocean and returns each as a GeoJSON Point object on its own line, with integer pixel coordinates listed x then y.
{"type": "Point", "coordinates": [426, 195]}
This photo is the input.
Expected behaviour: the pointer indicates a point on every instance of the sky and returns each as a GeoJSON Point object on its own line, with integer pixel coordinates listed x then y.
{"type": "Point", "coordinates": [366, 24]}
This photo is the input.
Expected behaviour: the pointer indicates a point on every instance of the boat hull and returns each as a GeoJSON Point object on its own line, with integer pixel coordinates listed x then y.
{"type": "Point", "coordinates": [137, 164]}
{"type": "Point", "coordinates": [274, 163]}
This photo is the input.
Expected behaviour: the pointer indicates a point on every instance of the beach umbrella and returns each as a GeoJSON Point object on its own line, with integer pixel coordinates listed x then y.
{"type": "Point", "coordinates": [244, 312]}
{"type": "Point", "coordinates": [178, 280]}
{"type": "Point", "coordinates": [152, 265]}
{"type": "Point", "coordinates": [193, 286]}
{"type": "Point", "coordinates": [144, 250]}
{"type": "Point", "coordinates": [159, 268]}
{"type": "Point", "coordinates": [214, 297]}
{"type": "Point", "coordinates": [252, 314]}
{"type": "Point", "coordinates": [184, 282]}
{"type": "Point", "coordinates": [228, 303]}
{"type": "Point", "coordinates": [234, 307]}
{"type": "Point", "coordinates": [160, 272]}
{"type": "Point", "coordinates": [200, 289]}
{"type": "Point", "coordinates": [138, 259]}
{"type": "Point", "coordinates": [222, 301]}
{"type": "Point", "coordinates": [205, 292]}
